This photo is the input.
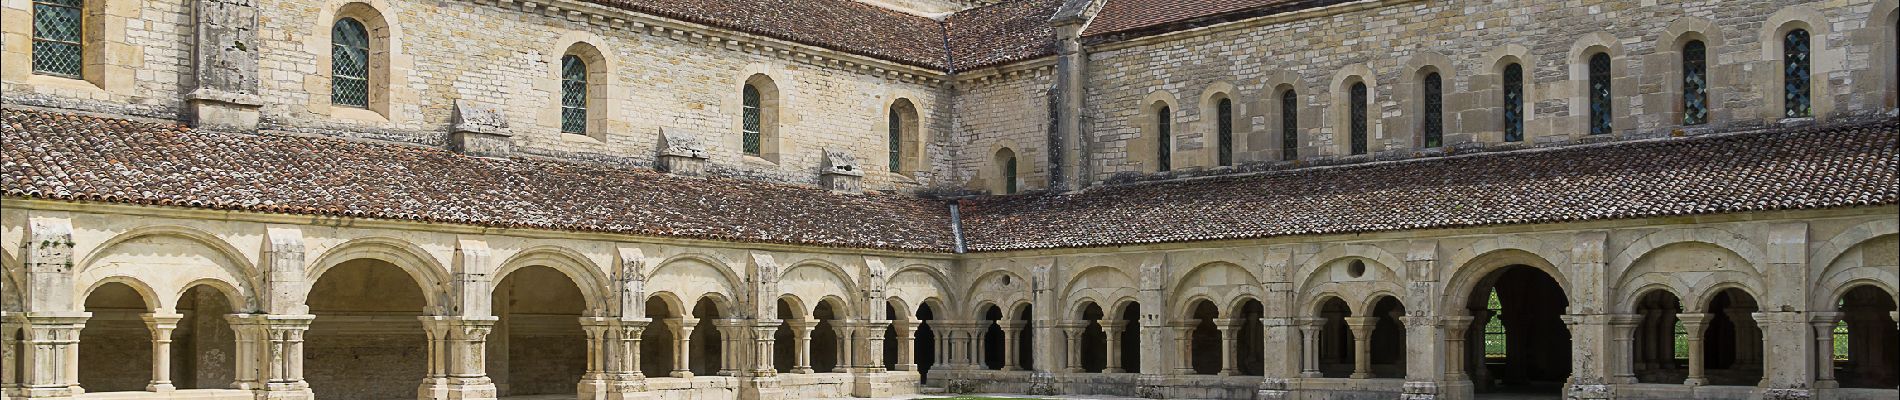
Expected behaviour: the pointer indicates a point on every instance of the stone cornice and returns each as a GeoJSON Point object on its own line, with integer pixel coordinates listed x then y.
{"type": "Point", "coordinates": [1250, 23]}
{"type": "Point", "coordinates": [1031, 67]}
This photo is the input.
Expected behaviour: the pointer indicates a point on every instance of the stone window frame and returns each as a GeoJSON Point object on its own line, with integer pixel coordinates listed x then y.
{"type": "Point", "coordinates": [103, 33]}
{"type": "Point", "coordinates": [1822, 58]}
{"type": "Point", "coordinates": [600, 90]}
{"type": "Point", "coordinates": [1621, 117]}
{"type": "Point", "coordinates": [1341, 110]}
{"type": "Point", "coordinates": [1420, 66]}
{"type": "Point", "coordinates": [1142, 150]}
{"type": "Point", "coordinates": [1489, 88]}
{"type": "Point", "coordinates": [386, 66]}
{"type": "Point", "coordinates": [1885, 20]}
{"type": "Point", "coordinates": [1209, 127]}
{"type": "Point", "coordinates": [1002, 161]}
{"type": "Point", "coordinates": [771, 103]}
{"type": "Point", "coordinates": [35, 36]}
{"type": "Point", "coordinates": [1272, 137]}
{"type": "Point", "coordinates": [909, 132]}
{"type": "Point", "coordinates": [1669, 49]}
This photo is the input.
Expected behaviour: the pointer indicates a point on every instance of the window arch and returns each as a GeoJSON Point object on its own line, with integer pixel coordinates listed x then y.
{"type": "Point", "coordinates": [1796, 68]}
{"type": "Point", "coordinates": [1006, 172]}
{"type": "Point", "coordinates": [1434, 110]}
{"type": "Point", "coordinates": [758, 109]}
{"type": "Point", "coordinates": [1695, 83]}
{"type": "Point", "coordinates": [59, 38]}
{"type": "Point", "coordinates": [349, 63]}
{"type": "Point", "coordinates": [1164, 138]}
{"type": "Point", "coordinates": [1514, 102]}
{"type": "Point", "coordinates": [1224, 131]}
{"type": "Point", "coordinates": [903, 136]}
{"type": "Point", "coordinates": [573, 94]}
{"type": "Point", "coordinates": [1600, 112]}
{"type": "Point", "coordinates": [1357, 119]}
{"type": "Point", "coordinates": [1289, 125]}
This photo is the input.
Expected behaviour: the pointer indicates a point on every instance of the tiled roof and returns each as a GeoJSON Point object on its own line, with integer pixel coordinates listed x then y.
{"type": "Point", "coordinates": [47, 155]}
{"type": "Point", "coordinates": [1808, 168]}
{"type": "Point", "coordinates": [1140, 17]}
{"type": "Point", "coordinates": [1002, 33]}
{"type": "Point", "coordinates": [843, 25]}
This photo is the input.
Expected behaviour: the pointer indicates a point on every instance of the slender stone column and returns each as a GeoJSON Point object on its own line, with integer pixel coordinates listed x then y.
{"type": "Point", "coordinates": [1309, 349]}
{"type": "Point", "coordinates": [625, 371]}
{"type": "Point", "coordinates": [682, 345]}
{"type": "Point", "coordinates": [1623, 328]}
{"type": "Point", "coordinates": [844, 330]}
{"type": "Point", "coordinates": [1072, 331]}
{"type": "Point", "coordinates": [1184, 346]}
{"type": "Point", "coordinates": [979, 348]}
{"type": "Point", "coordinates": [906, 331]}
{"type": "Point", "coordinates": [272, 346]}
{"type": "Point", "coordinates": [161, 326]}
{"type": "Point", "coordinates": [1229, 328]}
{"type": "Point", "coordinates": [1362, 345]}
{"type": "Point", "coordinates": [1695, 323]}
{"type": "Point", "coordinates": [1823, 323]}
{"type": "Point", "coordinates": [731, 331]}
{"type": "Point", "coordinates": [873, 333]}
{"type": "Point", "coordinates": [593, 381]}
{"type": "Point", "coordinates": [764, 345]}
{"type": "Point", "coordinates": [1455, 329]}
{"type": "Point", "coordinates": [1010, 331]}
{"type": "Point", "coordinates": [9, 357]}
{"type": "Point", "coordinates": [801, 332]}
{"type": "Point", "coordinates": [1480, 373]}
{"type": "Point", "coordinates": [1112, 329]}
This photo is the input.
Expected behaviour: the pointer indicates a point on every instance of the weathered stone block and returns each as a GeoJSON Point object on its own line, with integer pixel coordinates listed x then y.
{"type": "Point", "coordinates": [479, 129]}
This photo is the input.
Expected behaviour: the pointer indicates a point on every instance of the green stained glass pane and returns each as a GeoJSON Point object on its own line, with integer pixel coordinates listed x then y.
{"type": "Point", "coordinates": [58, 32]}
{"type": "Point", "coordinates": [897, 140]}
{"type": "Point", "coordinates": [1009, 175]}
{"type": "Point", "coordinates": [349, 64]}
{"type": "Point", "coordinates": [1840, 341]}
{"type": "Point", "coordinates": [752, 120]}
{"type": "Point", "coordinates": [573, 94]}
{"type": "Point", "coordinates": [1795, 71]}
{"type": "Point", "coordinates": [1434, 110]}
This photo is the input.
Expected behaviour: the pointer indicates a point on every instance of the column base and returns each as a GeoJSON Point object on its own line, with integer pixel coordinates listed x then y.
{"type": "Point", "coordinates": [682, 374]}
{"type": "Point", "coordinates": [161, 387]}
{"type": "Point", "coordinates": [1590, 391]}
{"type": "Point", "coordinates": [1786, 394]}
{"type": "Point", "coordinates": [1361, 375]}
{"type": "Point", "coordinates": [1423, 390]}
{"type": "Point", "coordinates": [1114, 371]}
{"type": "Point", "coordinates": [805, 370]}
{"type": "Point", "coordinates": [1227, 373]}
{"type": "Point", "coordinates": [286, 391]}
{"type": "Point", "coordinates": [1695, 382]}
{"type": "Point", "coordinates": [458, 389]}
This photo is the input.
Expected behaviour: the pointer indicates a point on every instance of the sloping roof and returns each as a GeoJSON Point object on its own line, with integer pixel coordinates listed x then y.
{"type": "Point", "coordinates": [1002, 33]}
{"type": "Point", "coordinates": [1131, 18]}
{"type": "Point", "coordinates": [47, 155]}
{"type": "Point", "coordinates": [1809, 168]}
{"type": "Point", "coordinates": [843, 25]}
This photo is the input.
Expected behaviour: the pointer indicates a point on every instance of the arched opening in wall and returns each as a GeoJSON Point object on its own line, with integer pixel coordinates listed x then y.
{"type": "Point", "coordinates": [784, 341]}
{"type": "Point", "coordinates": [537, 345]}
{"type": "Point", "coordinates": [116, 345]}
{"type": "Point", "coordinates": [904, 138]}
{"type": "Point", "coordinates": [1131, 338]}
{"type": "Point", "coordinates": [204, 346]}
{"type": "Point", "coordinates": [1224, 131]}
{"type": "Point", "coordinates": [925, 344]}
{"type": "Point", "coordinates": [992, 341]}
{"type": "Point", "coordinates": [1006, 171]}
{"type": "Point", "coordinates": [1025, 338]}
{"type": "Point", "coordinates": [656, 341]}
{"type": "Point", "coordinates": [827, 340]}
{"type": "Point", "coordinates": [1251, 345]}
{"type": "Point", "coordinates": [366, 315]}
{"type": "Point", "coordinates": [1289, 124]}
{"type": "Point", "coordinates": [1520, 322]}
{"type": "Point", "coordinates": [1094, 342]}
{"type": "Point", "coordinates": [1732, 343]}
{"type": "Point", "coordinates": [1601, 113]}
{"type": "Point", "coordinates": [1164, 137]}
{"type": "Point", "coordinates": [1661, 354]}
{"type": "Point", "coordinates": [758, 119]}
{"type": "Point", "coordinates": [1866, 352]}
{"type": "Point", "coordinates": [890, 335]}
{"type": "Point", "coordinates": [1388, 338]}
{"type": "Point", "coordinates": [708, 343]}
{"type": "Point", "coordinates": [1204, 344]}
{"type": "Point", "coordinates": [1336, 347]}
{"type": "Point", "coordinates": [1359, 118]}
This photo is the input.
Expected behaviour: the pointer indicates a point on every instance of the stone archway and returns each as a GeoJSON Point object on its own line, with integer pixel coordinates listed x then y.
{"type": "Point", "coordinates": [203, 346]}
{"type": "Point", "coordinates": [116, 345]}
{"type": "Point", "coordinates": [1864, 351]}
{"type": "Point", "coordinates": [366, 314]}
{"type": "Point", "coordinates": [537, 345]}
{"type": "Point", "coordinates": [1525, 346]}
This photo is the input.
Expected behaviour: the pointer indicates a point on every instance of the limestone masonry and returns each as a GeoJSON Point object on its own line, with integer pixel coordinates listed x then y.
{"type": "Point", "coordinates": [806, 199]}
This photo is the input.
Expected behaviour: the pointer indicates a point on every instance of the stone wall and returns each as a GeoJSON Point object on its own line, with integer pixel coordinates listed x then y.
{"type": "Point", "coordinates": [997, 110]}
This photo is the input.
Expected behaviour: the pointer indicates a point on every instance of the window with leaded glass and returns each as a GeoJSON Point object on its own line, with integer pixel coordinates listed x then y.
{"type": "Point", "coordinates": [752, 115]}
{"type": "Point", "coordinates": [1164, 139]}
{"type": "Point", "coordinates": [573, 94]}
{"type": "Point", "coordinates": [1225, 112]}
{"type": "Point", "coordinates": [1289, 125]}
{"type": "Point", "coordinates": [1434, 110]}
{"type": "Point", "coordinates": [1494, 328]}
{"type": "Point", "coordinates": [1600, 94]}
{"type": "Point", "coordinates": [1795, 71]}
{"type": "Point", "coordinates": [897, 140]}
{"type": "Point", "coordinates": [1359, 123]}
{"type": "Point", "coordinates": [349, 64]}
{"type": "Point", "coordinates": [1009, 175]}
{"type": "Point", "coordinates": [1514, 103]}
{"type": "Point", "coordinates": [1695, 83]}
{"type": "Point", "coordinates": [58, 37]}
{"type": "Point", "coordinates": [1840, 341]}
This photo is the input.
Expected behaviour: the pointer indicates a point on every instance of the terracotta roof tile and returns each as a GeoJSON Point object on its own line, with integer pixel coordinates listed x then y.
{"type": "Point", "coordinates": [1002, 33]}
{"type": "Point", "coordinates": [1808, 168]}
{"type": "Point", "coordinates": [1142, 17]}
{"type": "Point", "coordinates": [843, 25]}
{"type": "Point", "coordinates": [60, 156]}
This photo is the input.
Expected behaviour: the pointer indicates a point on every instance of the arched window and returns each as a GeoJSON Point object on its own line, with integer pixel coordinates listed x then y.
{"type": "Point", "coordinates": [349, 64]}
{"type": "Point", "coordinates": [1009, 175]}
{"type": "Point", "coordinates": [753, 110]}
{"type": "Point", "coordinates": [1434, 110]}
{"type": "Point", "coordinates": [1164, 139]}
{"type": "Point", "coordinates": [904, 139]}
{"type": "Point", "coordinates": [1225, 112]}
{"type": "Point", "coordinates": [1289, 125]}
{"type": "Point", "coordinates": [573, 94]}
{"type": "Point", "coordinates": [1600, 94]}
{"type": "Point", "coordinates": [1359, 123]}
{"type": "Point", "coordinates": [1695, 83]}
{"type": "Point", "coordinates": [1514, 103]}
{"type": "Point", "coordinates": [1006, 172]}
{"type": "Point", "coordinates": [59, 33]}
{"type": "Point", "coordinates": [897, 141]}
{"type": "Point", "coordinates": [1795, 71]}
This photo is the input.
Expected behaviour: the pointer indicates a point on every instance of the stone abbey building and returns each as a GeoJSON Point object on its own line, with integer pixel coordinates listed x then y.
{"type": "Point", "coordinates": [800, 199]}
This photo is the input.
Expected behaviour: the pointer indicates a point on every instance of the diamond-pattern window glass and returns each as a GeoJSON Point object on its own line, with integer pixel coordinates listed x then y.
{"type": "Point", "coordinates": [752, 120]}
{"type": "Point", "coordinates": [1514, 103]}
{"type": "Point", "coordinates": [1494, 328]}
{"type": "Point", "coordinates": [58, 33]}
{"type": "Point", "coordinates": [1289, 125]}
{"type": "Point", "coordinates": [1434, 110]}
{"type": "Point", "coordinates": [1600, 94]}
{"type": "Point", "coordinates": [897, 140]}
{"type": "Point", "coordinates": [349, 64]}
{"type": "Point", "coordinates": [1225, 111]}
{"type": "Point", "coordinates": [1795, 71]}
{"type": "Point", "coordinates": [1359, 123]}
{"type": "Point", "coordinates": [573, 94]}
{"type": "Point", "coordinates": [1009, 175]}
{"type": "Point", "coordinates": [1841, 338]}
{"type": "Point", "coordinates": [1695, 83]}
{"type": "Point", "coordinates": [1164, 141]}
